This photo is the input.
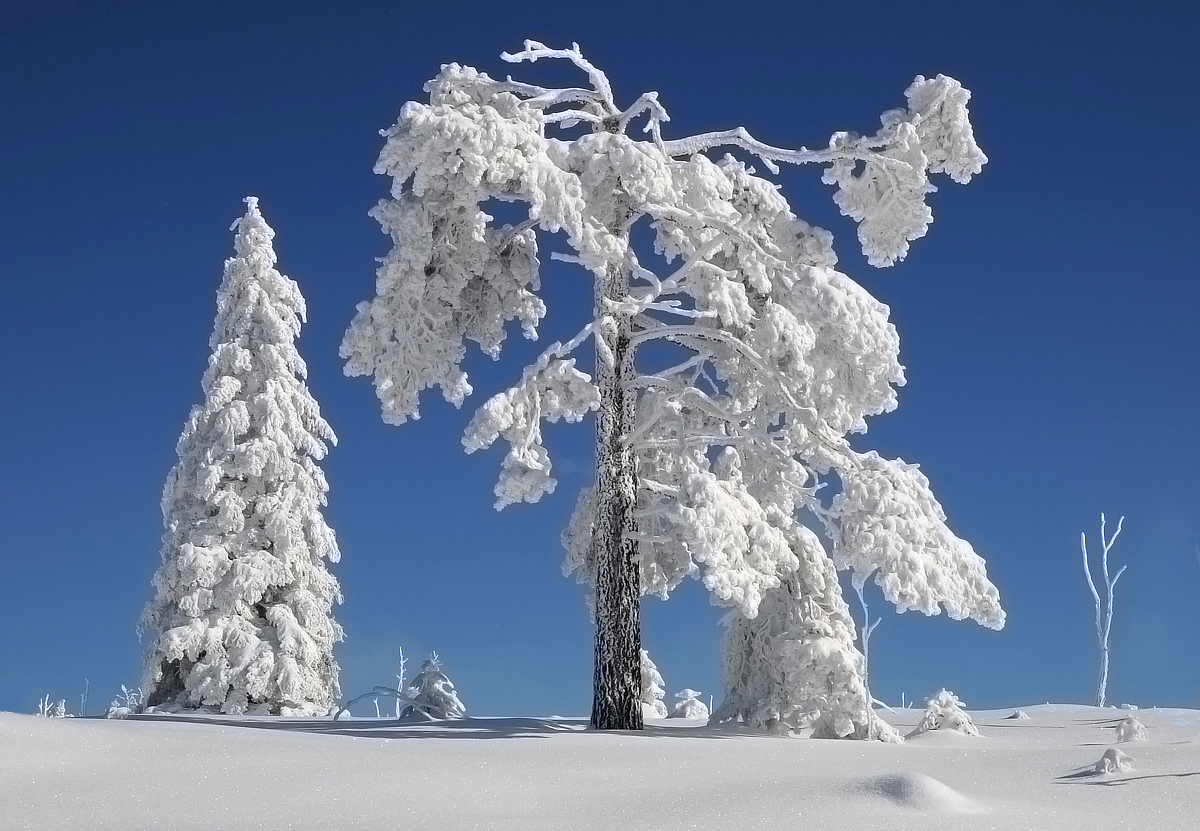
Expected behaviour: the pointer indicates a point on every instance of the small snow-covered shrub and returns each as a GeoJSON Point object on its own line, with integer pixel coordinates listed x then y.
{"type": "Point", "coordinates": [1019, 715]}
{"type": "Point", "coordinates": [1129, 729]}
{"type": "Point", "coordinates": [125, 704]}
{"type": "Point", "coordinates": [431, 694]}
{"type": "Point", "coordinates": [690, 705]}
{"type": "Point", "coordinates": [944, 712]}
{"type": "Point", "coordinates": [1114, 760]}
{"type": "Point", "coordinates": [47, 710]}
{"type": "Point", "coordinates": [652, 689]}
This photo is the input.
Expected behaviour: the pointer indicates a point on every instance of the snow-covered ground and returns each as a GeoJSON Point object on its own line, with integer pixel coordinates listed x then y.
{"type": "Point", "coordinates": [520, 773]}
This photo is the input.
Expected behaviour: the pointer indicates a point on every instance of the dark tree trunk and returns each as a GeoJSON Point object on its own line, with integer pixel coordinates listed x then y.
{"type": "Point", "coordinates": [616, 703]}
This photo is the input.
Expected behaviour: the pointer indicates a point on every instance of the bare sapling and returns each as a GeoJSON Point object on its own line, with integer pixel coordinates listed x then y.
{"type": "Point", "coordinates": [1104, 610]}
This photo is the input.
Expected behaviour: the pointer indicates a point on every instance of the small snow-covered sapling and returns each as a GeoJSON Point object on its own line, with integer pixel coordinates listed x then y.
{"type": "Point", "coordinates": [46, 709]}
{"type": "Point", "coordinates": [1129, 729]}
{"type": "Point", "coordinates": [125, 704]}
{"type": "Point", "coordinates": [689, 705]}
{"type": "Point", "coordinates": [431, 693]}
{"type": "Point", "coordinates": [945, 712]}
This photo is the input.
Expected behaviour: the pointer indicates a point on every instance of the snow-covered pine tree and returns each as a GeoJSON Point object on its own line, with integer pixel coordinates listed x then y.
{"type": "Point", "coordinates": [242, 616]}
{"type": "Point", "coordinates": [705, 462]}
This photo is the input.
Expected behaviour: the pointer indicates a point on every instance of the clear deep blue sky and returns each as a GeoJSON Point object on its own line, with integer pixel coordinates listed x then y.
{"type": "Point", "coordinates": [1048, 322]}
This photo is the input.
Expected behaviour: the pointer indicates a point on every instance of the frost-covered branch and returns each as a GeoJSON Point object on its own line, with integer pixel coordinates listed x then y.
{"type": "Point", "coordinates": [541, 98]}
{"type": "Point", "coordinates": [1103, 610]}
{"type": "Point", "coordinates": [740, 138]}
{"type": "Point", "coordinates": [550, 389]}
{"type": "Point", "coordinates": [647, 103]}
{"type": "Point", "coordinates": [534, 50]}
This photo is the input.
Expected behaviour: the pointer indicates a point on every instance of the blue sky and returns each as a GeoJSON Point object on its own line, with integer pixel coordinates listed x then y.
{"type": "Point", "coordinates": [1048, 322]}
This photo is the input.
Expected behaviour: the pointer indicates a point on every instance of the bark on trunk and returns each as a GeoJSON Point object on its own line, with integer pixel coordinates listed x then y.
{"type": "Point", "coordinates": [616, 703]}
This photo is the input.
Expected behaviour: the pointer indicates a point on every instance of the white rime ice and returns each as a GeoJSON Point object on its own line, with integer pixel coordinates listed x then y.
{"type": "Point", "coordinates": [652, 689]}
{"type": "Point", "coordinates": [241, 619]}
{"type": "Point", "coordinates": [713, 444]}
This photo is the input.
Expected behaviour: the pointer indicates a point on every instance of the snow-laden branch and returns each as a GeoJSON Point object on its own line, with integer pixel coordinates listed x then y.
{"type": "Point", "coordinates": [647, 103]}
{"type": "Point", "coordinates": [541, 98]}
{"type": "Point", "coordinates": [550, 389]}
{"type": "Point", "coordinates": [740, 138]}
{"type": "Point", "coordinates": [534, 50]}
{"type": "Point", "coordinates": [882, 179]}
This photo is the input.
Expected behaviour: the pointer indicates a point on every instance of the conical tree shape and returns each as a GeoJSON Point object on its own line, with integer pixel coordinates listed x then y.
{"type": "Point", "coordinates": [241, 620]}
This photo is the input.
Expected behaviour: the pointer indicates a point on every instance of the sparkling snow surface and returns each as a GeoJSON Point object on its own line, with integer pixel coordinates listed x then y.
{"type": "Point", "coordinates": [517, 773]}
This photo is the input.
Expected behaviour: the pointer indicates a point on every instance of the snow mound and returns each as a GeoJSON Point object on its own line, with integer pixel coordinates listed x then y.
{"type": "Point", "coordinates": [1114, 760]}
{"type": "Point", "coordinates": [1019, 715]}
{"type": "Point", "coordinates": [918, 792]}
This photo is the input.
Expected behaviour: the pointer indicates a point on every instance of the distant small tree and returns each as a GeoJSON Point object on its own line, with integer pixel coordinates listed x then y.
{"type": "Point", "coordinates": [689, 705]}
{"type": "Point", "coordinates": [1104, 608]}
{"type": "Point", "coordinates": [126, 704]}
{"type": "Point", "coordinates": [725, 385]}
{"type": "Point", "coordinates": [431, 693]}
{"type": "Point", "coordinates": [241, 620]}
{"type": "Point", "coordinates": [945, 712]}
{"type": "Point", "coordinates": [48, 709]}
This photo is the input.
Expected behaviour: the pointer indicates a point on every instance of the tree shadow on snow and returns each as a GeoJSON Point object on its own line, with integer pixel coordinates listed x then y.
{"type": "Point", "coordinates": [466, 728]}
{"type": "Point", "coordinates": [1108, 783]}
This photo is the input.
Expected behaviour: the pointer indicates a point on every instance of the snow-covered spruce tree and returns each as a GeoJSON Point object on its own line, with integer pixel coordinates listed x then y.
{"type": "Point", "coordinates": [703, 466]}
{"type": "Point", "coordinates": [241, 619]}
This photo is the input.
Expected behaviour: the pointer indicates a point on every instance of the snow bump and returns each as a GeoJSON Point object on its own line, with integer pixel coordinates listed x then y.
{"type": "Point", "coordinates": [918, 792]}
